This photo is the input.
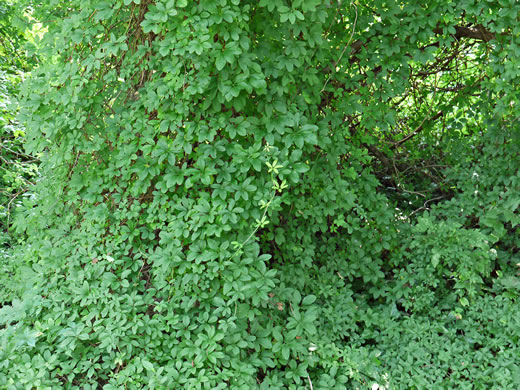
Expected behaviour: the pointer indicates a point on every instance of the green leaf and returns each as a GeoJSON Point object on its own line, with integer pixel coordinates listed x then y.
{"type": "Point", "coordinates": [309, 300]}
{"type": "Point", "coordinates": [286, 352]}
{"type": "Point", "coordinates": [435, 259]}
{"type": "Point", "coordinates": [220, 62]}
{"type": "Point", "coordinates": [146, 364]}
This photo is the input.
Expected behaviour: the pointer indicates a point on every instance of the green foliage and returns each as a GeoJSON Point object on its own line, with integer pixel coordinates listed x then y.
{"type": "Point", "coordinates": [474, 348]}
{"type": "Point", "coordinates": [272, 195]}
{"type": "Point", "coordinates": [17, 169]}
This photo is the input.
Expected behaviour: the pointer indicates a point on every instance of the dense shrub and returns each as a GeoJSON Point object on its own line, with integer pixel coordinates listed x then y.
{"type": "Point", "coordinates": [17, 169]}
{"type": "Point", "coordinates": [271, 194]}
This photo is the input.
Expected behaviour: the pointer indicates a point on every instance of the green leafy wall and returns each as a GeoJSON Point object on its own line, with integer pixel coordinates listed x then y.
{"type": "Point", "coordinates": [272, 194]}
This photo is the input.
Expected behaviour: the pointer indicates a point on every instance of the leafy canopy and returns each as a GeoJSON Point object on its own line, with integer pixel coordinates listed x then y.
{"type": "Point", "coordinates": [17, 169]}
{"type": "Point", "coordinates": [274, 194]}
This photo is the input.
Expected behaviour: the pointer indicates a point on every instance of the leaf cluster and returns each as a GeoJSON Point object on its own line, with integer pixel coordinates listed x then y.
{"type": "Point", "coordinates": [274, 194]}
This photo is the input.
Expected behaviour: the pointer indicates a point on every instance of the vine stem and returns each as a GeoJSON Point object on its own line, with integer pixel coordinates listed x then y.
{"type": "Point", "coordinates": [344, 49]}
{"type": "Point", "coordinates": [256, 228]}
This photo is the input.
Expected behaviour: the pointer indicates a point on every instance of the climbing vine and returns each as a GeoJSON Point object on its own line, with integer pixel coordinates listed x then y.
{"type": "Point", "coordinates": [239, 194]}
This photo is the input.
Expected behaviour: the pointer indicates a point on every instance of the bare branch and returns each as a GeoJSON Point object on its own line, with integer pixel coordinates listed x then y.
{"type": "Point", "coordinates": [479, 33]}
{"type": "Point", "coordinates": [417, 130]}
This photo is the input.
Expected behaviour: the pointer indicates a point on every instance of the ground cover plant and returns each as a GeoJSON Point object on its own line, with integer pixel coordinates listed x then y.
{"type": "Point", "coordinates": [277, 195]}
